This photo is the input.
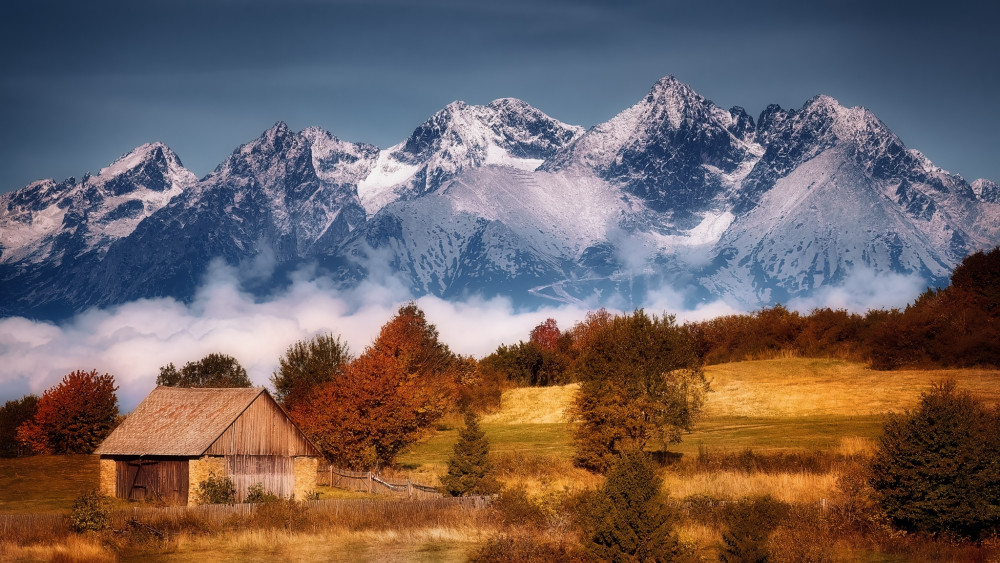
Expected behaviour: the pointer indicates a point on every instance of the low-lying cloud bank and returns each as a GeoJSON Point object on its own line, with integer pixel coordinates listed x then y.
{"type": "Point", "coordinates": [133, 340]}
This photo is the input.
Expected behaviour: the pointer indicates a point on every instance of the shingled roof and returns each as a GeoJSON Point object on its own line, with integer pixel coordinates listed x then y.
{"type": "Point", "coordinates": [175, 421]}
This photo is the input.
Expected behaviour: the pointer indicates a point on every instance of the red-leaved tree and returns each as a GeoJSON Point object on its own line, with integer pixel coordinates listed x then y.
{"type": "Point", "coordinates": [74, 416]}
{"type": "Point", "coordinates": [400, 385]}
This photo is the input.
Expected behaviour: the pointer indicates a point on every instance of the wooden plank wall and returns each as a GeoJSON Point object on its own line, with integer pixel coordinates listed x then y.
{"type": "Point", "coordinates": [275, 473]}
{"type": "Point", "coordinates": [262, 429]}
{"type": "Point", "coordinates": [152, 479]}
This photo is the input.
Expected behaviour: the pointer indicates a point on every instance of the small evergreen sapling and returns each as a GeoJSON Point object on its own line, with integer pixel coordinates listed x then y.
{"type": "Point", "coordinates": [469, 469]}
{"type": "Point", "coordinates": [628, 518]}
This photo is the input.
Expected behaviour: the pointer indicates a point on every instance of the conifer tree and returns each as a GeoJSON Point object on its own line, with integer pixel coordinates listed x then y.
{"type": "Point", "coordinates": [935, 468]}
{"type": "Point", "coordinates": [628, 519]}
{"type": "Point", "coordinates": [469, 469]}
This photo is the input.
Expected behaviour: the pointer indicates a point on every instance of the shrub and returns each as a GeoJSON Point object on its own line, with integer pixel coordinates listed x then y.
{"type": "Point", "coordinates": [256, 494]}
{"type": "Point", "coordinates": [216, 490]}
{"type": "Point", "coordinates": [91, 512]}
{"type": "Point", "coordinates": [524, 548]}
{"type": "Point", "coordinates": [935, 468]}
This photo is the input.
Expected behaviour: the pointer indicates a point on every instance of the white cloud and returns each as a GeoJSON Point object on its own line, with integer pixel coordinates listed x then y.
{"type": "Point", "coordinates": [133, 340]}
{"type": "Point", "coordinates": [862, 290]}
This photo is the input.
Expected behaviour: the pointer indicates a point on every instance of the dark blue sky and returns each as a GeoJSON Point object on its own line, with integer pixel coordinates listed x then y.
{"type": "Point", "coordinates": [84, 82]}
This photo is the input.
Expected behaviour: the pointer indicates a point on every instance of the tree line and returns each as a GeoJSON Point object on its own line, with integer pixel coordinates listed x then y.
{"type": "Point", "coordinates": [958, 326]}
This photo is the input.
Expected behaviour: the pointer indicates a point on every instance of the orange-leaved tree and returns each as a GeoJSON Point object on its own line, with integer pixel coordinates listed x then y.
{"type": "Point", "coordinates": [401, 384]}
{"type": "Point", "coordinates": [74, 416]}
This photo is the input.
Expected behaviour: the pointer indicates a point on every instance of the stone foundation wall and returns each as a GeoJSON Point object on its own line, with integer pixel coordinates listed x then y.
{"type": "Point", "coordinates": [305, 477]}
{"type": "Point", "coordinates": [199, 470]}
{"type": "Point", "coordinates": [108, 478]}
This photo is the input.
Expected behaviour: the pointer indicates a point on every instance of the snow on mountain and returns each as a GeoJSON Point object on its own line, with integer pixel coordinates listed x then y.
{"type": "Point", "coordinates": [676, 150]}
{"type": "Point", "coordinates": [986, 190]}
{"type": "Point", "coordinates": [46, 221]}
{"type": "Point", "coordinates": [502, 199]}
{"type": "Point", "coordinates": [505, 132]}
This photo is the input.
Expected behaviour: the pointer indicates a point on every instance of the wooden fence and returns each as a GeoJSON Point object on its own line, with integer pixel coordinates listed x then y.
{"type": "Point", "coordinates": [369, 482]}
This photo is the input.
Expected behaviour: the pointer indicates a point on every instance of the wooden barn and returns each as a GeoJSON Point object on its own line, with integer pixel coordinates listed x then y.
{"type": "Point", "coordinates": [176, 437]}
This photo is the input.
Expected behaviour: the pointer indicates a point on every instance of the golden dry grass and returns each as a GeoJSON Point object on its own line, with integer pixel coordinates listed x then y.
{"type": "Point", "coordinates": [787, 487]}
{"type": "Point", "coordinates": [72, 548]}
{"type": "Point", "coordinates": [796, 387]}
{"type": "Point", "coordinates": [435, 543]}
{"type": "Point", "coordinates": [534, 405]}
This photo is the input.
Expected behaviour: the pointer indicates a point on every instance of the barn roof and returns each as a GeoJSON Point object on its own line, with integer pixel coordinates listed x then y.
{"type": "Point", "coordinates": [176, 421]}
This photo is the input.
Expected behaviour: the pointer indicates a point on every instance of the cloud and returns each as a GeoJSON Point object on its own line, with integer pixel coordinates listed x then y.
{"type": "Point", "coordinates": [862, 290]}
{"type": "Point", "coordinates": [133, 340]}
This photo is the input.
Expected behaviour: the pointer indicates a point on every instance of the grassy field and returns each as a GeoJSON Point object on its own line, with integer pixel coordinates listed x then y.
{"type": "Point", "coordinates": [788, 404]}
{"type": "Point", "coordinates": [45, 483]}
{"type": "Point", "coordinates": [823, 408]}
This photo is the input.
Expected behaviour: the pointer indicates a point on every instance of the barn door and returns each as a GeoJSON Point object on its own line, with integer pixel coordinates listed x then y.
{"type": "Point", "coordinates": [152, 479]}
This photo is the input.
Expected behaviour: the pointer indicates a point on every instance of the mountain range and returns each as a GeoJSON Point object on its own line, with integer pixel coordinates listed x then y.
{"type": "Point", "coordinates": [501, 199]}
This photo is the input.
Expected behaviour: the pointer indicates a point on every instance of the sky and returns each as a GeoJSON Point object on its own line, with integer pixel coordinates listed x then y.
{"type": "Point", "coordinates": [82, 83]}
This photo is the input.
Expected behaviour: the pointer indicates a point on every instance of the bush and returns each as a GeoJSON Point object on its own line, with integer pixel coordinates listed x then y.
{"type": "Point", "coordinates": [524, 548]}
{"type": "Point", "coordinates": [91, 512]}
{"type": "Point", "coordinates": [257, 495]}
{"type": "Point", "coordinates": [216, 490]}
{"type": "Point", "coordinates": [935, 468]}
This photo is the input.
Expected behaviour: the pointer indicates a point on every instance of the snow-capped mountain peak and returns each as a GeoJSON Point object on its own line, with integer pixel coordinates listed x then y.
{"type": "Point", "coordinates": [35, 220]}
{"type": "Point", "coordinates": [505, 132]}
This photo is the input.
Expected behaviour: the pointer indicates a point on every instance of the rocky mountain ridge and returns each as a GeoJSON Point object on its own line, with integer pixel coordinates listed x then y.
{"type": "Point", "coordinates": [502, 199]}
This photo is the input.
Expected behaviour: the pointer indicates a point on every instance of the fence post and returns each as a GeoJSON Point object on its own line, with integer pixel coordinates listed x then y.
{"type": "Point", "coordinates": [331, 475]}
{"type": "Point", "coordinates": [371, 479]}
{"type": "Point", "coordinates": [409, 488]}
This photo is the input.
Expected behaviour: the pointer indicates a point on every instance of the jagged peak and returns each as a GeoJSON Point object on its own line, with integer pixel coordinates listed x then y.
{"type": "Point", "coordinates": [146, 153]}
{"type": "Point", "coordinates": [669, 90]}
{"type": "Point", "coordinates": [986, 190]}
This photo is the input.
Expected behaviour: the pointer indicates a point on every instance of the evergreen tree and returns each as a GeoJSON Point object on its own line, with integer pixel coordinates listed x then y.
{"type": "Point", "coordinates": [628, 518]}
{"type": "Point", "coordinates": [751, 522]}
{"type": "Point", "coordinates": [935, 468]}
{"type": "Point", "coordinates": [469, 469]}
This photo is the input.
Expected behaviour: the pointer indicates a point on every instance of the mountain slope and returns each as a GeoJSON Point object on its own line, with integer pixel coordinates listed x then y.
{"type": "Point", "coordinates": [674, 193]}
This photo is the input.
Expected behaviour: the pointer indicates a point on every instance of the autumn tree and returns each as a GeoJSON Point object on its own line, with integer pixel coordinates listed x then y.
{"type": "Point", "coordinates": [469, 469]}
{"type": "Point", "coordinates": [308, 363]}
{"type": "Point", "coordinates": [73, 416]}
{"type": "Point", "coordinates": [640, 380]}
{"type": "Point", "coordinates": [401, 384]}
{"type": "Point", "coordinates": [543, 360]}
{"type": "Point", "coordinates": [12, 415]}
{"type": "Point", "coordinates": [546, 334]}
{"type": "Point", "coordinates": [214, 370]}
{"type": "Point", "coordinates": [935, 468]}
